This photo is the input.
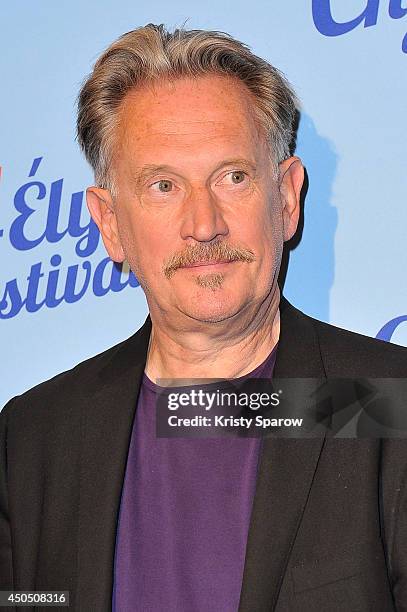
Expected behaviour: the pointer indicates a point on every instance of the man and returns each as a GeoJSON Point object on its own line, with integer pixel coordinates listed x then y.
{"type": "Point", "coordinates": [189, 135]}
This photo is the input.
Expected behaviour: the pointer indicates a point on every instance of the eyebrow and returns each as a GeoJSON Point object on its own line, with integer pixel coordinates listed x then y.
{"type": "Point", "coordinates": [150, 169]}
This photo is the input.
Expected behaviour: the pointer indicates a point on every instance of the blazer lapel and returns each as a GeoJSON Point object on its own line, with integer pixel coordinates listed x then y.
{"type": "Point", "coordinates": [286, 471]}
{"type": "Point", "coordinates": [106, 429]}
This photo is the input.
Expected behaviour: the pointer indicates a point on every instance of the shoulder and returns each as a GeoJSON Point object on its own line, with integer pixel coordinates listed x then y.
{"type": "Point", "coordinates": [79, 383]}
{"type": "Point", "coordinates": [343, 353]}
{"type": "Point", "coordinates": [347, 353]}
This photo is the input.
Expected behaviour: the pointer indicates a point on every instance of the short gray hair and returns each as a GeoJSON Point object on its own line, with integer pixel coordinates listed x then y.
{"type": "Point", "coordinates": [152, 53]}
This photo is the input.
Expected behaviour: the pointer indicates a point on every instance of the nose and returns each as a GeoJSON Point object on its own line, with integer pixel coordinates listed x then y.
{"type": "Point", "coordinates": [202, 217]}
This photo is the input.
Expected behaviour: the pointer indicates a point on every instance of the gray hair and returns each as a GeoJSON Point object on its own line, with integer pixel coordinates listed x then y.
{"type": "Point", "coordinates": [151, 53]}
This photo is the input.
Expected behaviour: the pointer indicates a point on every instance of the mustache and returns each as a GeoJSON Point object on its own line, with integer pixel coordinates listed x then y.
{"type": "Point", "coordinates": [219, 251]}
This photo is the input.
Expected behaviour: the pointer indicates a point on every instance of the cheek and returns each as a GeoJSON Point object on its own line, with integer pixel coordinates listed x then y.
{"type": "Point", "coordinates": [148, 246]}
{"type": "Point", "coordinates": [270, 242]}
{"type": "Point", "coordinates": [268, 232]}
{"type": "Point", "coordinates": [134, 233]}
{"type": "Point", "coordinates": [129, 240]}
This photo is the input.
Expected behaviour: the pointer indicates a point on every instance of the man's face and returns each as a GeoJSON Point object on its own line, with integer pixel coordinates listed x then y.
{"type": "Point", "coordinates": [198, 215]}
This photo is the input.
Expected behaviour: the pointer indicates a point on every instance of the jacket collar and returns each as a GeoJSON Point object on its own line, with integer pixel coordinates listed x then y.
{"type": "Point", "coordinates": [285, 472]}
{"type": "Point", "coordinates": [107, 421]}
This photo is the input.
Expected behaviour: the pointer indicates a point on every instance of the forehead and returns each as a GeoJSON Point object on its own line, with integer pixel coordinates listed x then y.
{"type": "Point", "coordinates": [201, 113]}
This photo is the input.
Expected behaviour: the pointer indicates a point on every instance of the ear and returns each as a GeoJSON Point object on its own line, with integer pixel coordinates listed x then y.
{"type": "Point", "coordinates": [101, 208]}
{"type": "Point", "coordinates": [290, 183]}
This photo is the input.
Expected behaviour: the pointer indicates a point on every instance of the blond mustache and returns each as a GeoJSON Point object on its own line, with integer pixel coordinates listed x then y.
{"type": "Point", "coordinates": [219, 251]}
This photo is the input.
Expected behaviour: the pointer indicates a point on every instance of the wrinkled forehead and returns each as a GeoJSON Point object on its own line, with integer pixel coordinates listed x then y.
{"type": "Point", "coordinates": [188, 113]}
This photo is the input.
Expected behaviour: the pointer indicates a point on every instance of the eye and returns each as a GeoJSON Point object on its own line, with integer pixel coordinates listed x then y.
{"type": "Point", "coordinates": [237, 176]}
{"type": "Point", "coordinates": [164, 185]}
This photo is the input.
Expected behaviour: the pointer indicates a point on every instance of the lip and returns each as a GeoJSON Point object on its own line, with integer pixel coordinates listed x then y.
{"type": "Point", "coordinates": [210, 264]}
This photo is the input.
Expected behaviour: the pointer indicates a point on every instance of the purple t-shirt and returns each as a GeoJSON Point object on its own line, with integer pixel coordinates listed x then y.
{"type": "Point", "coordinates": [184, 516]}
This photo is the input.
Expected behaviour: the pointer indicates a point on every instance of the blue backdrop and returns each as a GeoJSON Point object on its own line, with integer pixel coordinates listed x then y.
{"type": "Point", "coordinates": [62, 300]}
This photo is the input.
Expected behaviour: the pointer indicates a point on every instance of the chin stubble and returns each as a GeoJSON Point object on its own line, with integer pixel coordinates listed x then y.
{"type": "Point", "coordinates": [212, 281]}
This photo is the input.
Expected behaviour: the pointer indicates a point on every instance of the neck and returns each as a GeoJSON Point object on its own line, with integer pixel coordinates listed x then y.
{"type": "Point", "coordinates": [236, 347]}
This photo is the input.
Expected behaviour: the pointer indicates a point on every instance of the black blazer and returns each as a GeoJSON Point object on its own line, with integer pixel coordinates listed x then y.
{"type": "Point", "coordinates": [328, 530]}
